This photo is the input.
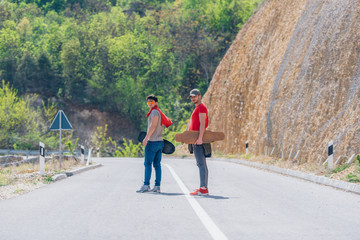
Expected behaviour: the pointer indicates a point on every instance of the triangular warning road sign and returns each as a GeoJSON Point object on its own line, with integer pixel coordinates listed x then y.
{"type": "Point", "coordinates": [60, 117]}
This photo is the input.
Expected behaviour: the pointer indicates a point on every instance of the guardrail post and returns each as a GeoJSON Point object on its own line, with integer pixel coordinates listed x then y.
{"type": "Point", "coordinates": [42, 159]}
{"type": "Point", "coordinates": [296, 156]}
{"type": "Point", "coordinates": [89, 156]}
{"type": "Point", "coordinates": [351, 159]}
{"type": "Point", "coordinates": [338, 160]}
{"type": "Point", "coordinates": [82, 154]}
{"type": "Point", "coordinates": [330, 159]}
{"type": "Point", "coordinates": [272, 151]}
{"type": "Point", "coordinates": [290, 155]}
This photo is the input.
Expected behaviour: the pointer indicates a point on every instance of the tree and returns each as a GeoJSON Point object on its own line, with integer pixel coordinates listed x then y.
{"type": "Point", "coordinates": [26, 76]}
{"type": "Point", "coordinates": [9, 51]}
{"type": "Point", "coordinates": [73, 70]}
{"type": "Point", "coordinates": [17, 118]}
{"type": "Point", "coordinates": [47, 82]}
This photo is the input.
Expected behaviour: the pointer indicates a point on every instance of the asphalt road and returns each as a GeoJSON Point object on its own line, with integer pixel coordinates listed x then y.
{"type": "Point", "coordinates": [244, 203]}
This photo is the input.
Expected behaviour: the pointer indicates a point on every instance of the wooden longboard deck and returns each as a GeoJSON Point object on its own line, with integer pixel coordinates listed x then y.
{"type": "Point", "coordinates": [189, 137]}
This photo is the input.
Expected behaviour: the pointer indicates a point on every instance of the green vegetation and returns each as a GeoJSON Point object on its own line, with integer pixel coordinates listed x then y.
{"type": "Point", "coordinates": [48, 179]}
{"type": "Point", "coordinates": [340, 168]}
{"type": "Point", "coordinates": [130, 149]}
{"type": "Point", "coordinates": [109, 147]}
{"type": "Point", "coordinates": [4, 177]}
{"type": "Point", "coordinates": [169, 134]}
{"type": "Point", "coordinates": [352, 178]}
{"type": "Point", "coordinates": [71, 144]}
{"type": "Point", "coordinates": [246, 156]}
{"type": "Point", "coordinates": [355, 176]}
{"type": "Point", "coordinates": [100, 139]}
{"type": "Point", "coordinates": [110, 54]}
{"type": "Point", "coordinates": [23, 124]}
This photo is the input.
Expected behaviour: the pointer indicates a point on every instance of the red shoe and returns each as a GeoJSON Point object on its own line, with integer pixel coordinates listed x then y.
{"type": "Point", "coordinates": [200, 192]}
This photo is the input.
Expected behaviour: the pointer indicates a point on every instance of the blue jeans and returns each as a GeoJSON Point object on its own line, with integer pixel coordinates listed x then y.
{"type": "Point", "coordinates": [153, 152]}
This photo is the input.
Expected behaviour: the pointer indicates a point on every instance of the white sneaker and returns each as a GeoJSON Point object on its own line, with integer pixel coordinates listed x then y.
{"type": "Point", "coordinates": [156, 189]}
{"type": "Point", "coordinates": [144, 188]}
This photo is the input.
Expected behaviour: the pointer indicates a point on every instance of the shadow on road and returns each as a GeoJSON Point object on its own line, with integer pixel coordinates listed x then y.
{"type": "Point", "coordinates": [214, 197]}
{"type": "Point", "coordinates": [179, 194]}
{"type": "Point", "coordinates": [171, 194]}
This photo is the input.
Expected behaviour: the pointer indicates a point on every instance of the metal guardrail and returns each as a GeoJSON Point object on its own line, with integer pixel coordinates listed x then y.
{"type": "Point", "coordinates": [34, 152]}
{"type": "Point", "coordinates": [29, 156]}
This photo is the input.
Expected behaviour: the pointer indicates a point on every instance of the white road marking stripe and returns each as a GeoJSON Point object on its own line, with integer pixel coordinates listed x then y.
{"type": "Point", "coordinates": [214, 231]}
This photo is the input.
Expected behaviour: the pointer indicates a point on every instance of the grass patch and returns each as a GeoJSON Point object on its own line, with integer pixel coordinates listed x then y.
{"type": "Point", "coordinates": [218, 154]}
{"type": "Point", "coordinates": [352, 178]}
{"type": "Point", "coordinates": [358, 159]}
{"type": "Point", "coordinates": [29, 173]}
{"type": "Point", "coordinates": [19, 190]}
{"type": "Point", "coordinates": [340, 168]}
{"type": "Point", "coordinates": [246, 156]}
{"type": "Point", "coordinates": [48, 179]}
{"type": "Point", "coordinates": [4, 179]}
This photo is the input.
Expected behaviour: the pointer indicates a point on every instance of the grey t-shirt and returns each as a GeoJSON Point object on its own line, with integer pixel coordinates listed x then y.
{"type": "Point", "coordinates": [157, 134]}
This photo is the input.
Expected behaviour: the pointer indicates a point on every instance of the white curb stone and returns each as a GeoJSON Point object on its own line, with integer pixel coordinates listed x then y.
{"type": "Point", "coordinates": [357, 189]}
{"type": "Point", "coordinates": [80, 170]}
{"type": "Point", "coordinates": [77, 171]}
{"type": "Point", "coordinates": [59, 177]}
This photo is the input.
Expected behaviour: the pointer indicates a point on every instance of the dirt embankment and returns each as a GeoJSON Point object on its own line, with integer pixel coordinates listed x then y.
{"type": "Point", "coordinates": [86, 121]}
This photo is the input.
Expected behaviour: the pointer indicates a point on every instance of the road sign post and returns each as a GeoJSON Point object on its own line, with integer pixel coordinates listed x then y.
{"type": "Point", "coordinates": [60, 122]}
{"type": "Point", "coordinates": [60, 152]}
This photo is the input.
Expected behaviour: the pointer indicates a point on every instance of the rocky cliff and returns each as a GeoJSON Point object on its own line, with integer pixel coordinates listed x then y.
{"type": "Point", "coordinates": [291, 81]}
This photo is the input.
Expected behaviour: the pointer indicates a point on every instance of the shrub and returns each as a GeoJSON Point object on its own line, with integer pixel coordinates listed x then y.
{"type": "Point", "coordinates": [130, 149]}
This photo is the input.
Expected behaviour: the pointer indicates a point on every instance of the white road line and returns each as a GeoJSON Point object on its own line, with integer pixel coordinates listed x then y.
{"type": "Point", "coordinates": [214, 231]}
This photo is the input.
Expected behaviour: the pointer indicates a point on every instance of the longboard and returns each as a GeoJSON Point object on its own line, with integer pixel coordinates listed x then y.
{"type": "Point", "coordinates": [169, 148]}
{"type": "Point", "coordinates": [189, 137]}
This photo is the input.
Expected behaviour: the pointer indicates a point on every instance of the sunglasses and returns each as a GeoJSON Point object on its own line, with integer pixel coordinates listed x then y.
{"type": "Point", "coordinates": [152, 102]}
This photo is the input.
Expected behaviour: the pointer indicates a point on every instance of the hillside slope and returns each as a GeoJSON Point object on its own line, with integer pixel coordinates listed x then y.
{"type": "Point", "coordinates": [291, 80]}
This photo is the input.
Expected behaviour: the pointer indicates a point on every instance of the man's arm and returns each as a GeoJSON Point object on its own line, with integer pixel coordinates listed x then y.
{"type": "Point", "coordinates": [202, 117]}
{"type": "Point", "coordinates": [152, 128]}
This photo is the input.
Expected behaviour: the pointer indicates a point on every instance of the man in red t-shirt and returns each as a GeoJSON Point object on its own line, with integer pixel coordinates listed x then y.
{"type": "Point", "coordinates": [199, 122]}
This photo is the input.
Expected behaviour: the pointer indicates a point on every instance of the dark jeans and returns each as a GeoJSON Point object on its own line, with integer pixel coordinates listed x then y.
{"type": "Point", "coordinates": [201, 163]}
{"type": "Point", "coordinates": [153, 152]}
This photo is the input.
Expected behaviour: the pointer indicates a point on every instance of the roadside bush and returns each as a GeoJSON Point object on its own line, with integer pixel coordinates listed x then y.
{"type": "Point", "coordinates": [23, 126]}
{"type": "Point", "coordinates": [130, 149]}
{"type": "Point", "coordinates": [352, 178]}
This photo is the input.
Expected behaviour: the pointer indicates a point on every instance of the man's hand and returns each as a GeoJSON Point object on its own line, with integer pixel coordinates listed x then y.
{"type": "Point", "coordinates": [202, 117]}
{"type": "Point", "coordinates": [199, 141]}
{"type": "Point", "coordinates": [154, 122]}
{"type": "Point", "coordinates": [145, 141]}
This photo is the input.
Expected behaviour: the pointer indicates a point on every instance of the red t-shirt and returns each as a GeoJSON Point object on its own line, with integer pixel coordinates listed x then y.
{"type": "Point", "coordinates": [195, 120]}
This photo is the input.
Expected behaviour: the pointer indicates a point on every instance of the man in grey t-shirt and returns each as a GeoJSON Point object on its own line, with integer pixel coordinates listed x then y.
{"type": "Point", "coordinates": [154, 145]}
{"type": "Point", "coordinates": [157, 134]}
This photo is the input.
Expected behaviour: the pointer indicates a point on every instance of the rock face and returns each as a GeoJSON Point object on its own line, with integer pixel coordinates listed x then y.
{"type": "Point", "coordinates": [86, 121]}
{"type": "Point", "coordinates": [291, 81]}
